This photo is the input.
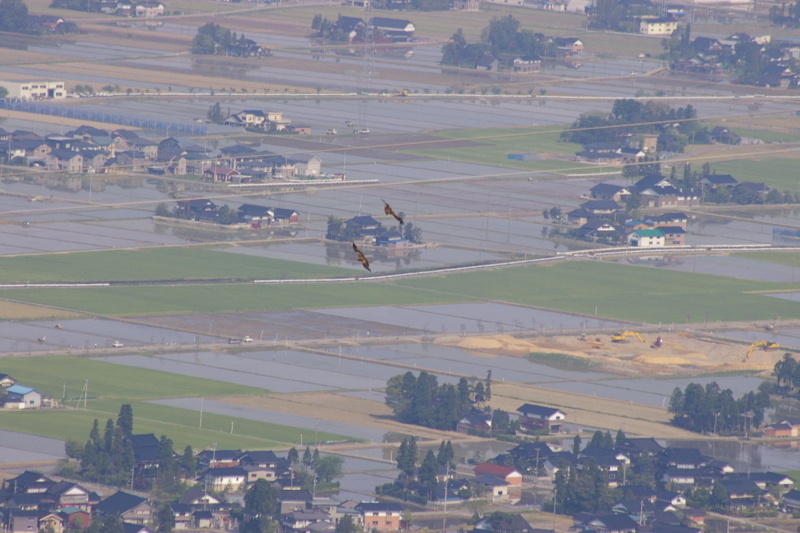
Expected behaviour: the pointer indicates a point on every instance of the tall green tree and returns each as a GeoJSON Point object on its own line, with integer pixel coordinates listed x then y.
{"type": "Point", "coordinates": [125, 419]}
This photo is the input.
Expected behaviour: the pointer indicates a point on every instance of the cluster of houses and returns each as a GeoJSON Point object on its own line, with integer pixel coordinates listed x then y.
{"type": "Point", "coordinates": [602, 218]}
{"type": "Point", "coordinates": [146, 9]}
{"type": "Point", "coordinates": [386, 29]}
{"type": "Point", "coordinates": [34, 502]}
{"type": "Point", "coordinates": [16, 396]}
{"type": "Point", "coordinates": [677, 468]}
{"type": "Point", "coordinates": [96, 151]}
{"type": "Point", "coordinates": [710, 56]}
{"type": "Point", "coordinates": [266, 121]}
{"type": "Point", "coordinates": [247, 215]}
{"type": "Point", "coordinates": [529, 64]}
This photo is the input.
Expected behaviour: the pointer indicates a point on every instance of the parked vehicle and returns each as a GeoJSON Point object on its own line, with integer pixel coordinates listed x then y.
{"type": "Point", "coordinates": [117, 344]}
{"type": "Point", "coordinates": [331, 132]}
{"type": "Point", "coordinates": [248, 339]}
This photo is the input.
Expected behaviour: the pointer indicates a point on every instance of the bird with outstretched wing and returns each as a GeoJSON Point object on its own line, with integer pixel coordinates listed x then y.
{"type": "Point", "coordinates": [387, 209]}
{"type": "Point", "coordinates": [361, 257]}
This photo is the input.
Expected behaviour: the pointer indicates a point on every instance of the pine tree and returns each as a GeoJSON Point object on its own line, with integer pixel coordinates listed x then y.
{"type": "Point", "coordinates": [488, 388]}
{"type": "Point", "coordinates": [576, 444]}
{"type": "Point", "coordinates": [427, 473]}
{"type": "Point", "coordinates": [293, 456]}
{"type": "Point", "coordinates": [188, 463]}
{"type": "Point", "coordinates": [608, 440]}
{"type": "Point", "coordinates": [125, 419]}
{"type": "Point", "coordinates": [315, 457]}
{"type": "Point", "coordinates": [94, 435]}
{"type": "Point", "coordinates": [620, 437]}
{"type": "Point", "coordinates": [108, 436]}
{"type": "Point", "coordinates": [307, 456]}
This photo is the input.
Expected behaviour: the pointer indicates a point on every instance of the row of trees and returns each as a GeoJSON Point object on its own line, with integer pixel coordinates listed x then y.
{"type": "Point", "coordinates": [422, 401]}
{"type": "Point", "coordinates": [109, 459]}
{"type": "Point", "coordinates": [712, 409]}
{"type": "Point", "coordinates": [502, 37]}
{"type": "Point", "coordinates": [213, 39]}
{"type": "Point", "coordinates": [630, 116]}
{"type": "Point", "coordinates": [787, 16]}
{"type": "Point", "coordinates": [14, 17]}
{"type": "Point", "coordinates": [787, 372]}
{"type": "Point", "coordinates": [418, 483]}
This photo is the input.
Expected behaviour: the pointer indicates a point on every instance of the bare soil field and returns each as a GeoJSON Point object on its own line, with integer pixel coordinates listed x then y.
{"type": "Point", "coordinates": [50, 119]}
{"type": "Point", "coordinates": [292, 324]}
{"type": "Point", "coordinates": [680, 352]}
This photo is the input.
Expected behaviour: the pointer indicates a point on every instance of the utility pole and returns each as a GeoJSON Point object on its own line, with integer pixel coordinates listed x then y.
{"type": "Point", "coordinates": [446, 481]}
{"type": "Point", "coordinates": [555, 503]}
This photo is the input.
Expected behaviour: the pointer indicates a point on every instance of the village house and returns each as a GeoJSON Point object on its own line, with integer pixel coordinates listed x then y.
{"type": "Point", "coordinates": [127, 507]}
{"type": "Point", "coordinates": [221, 174]}
{"type": "Point", "coordinates": [66, 160]}
{"type": "Point", "coordinates": [791, 500]}
{"type": "Point", "coordinates": [399, 30]}
{"type": "Point", "coordinates": [569, 45]}
{"type": "Point", "coordinates": [646, 238]}
{"type": "Point", "coordinates": [294, 499]}
{"type": "Point", "coordinates": [466, 5]}
{"type": "Point", "coordinates": [6, 381]}
{"type": "Point", "coordinates": [226, 479]}
{"type": "Point", "coordinates": [606, 191]}
{"type": "Point", "coordinates": [505, 473]}
{"type": "Point", "coordinates": [673, 235]}
{"type": "Point", "coordinates": [540, 417]}
{"type": "Point", "coordinates": [380, 516]}
{"type": "Point", "coordinates": [497, 490]}
{"type": "Point", "coordinates": [19, 397]}
{"type": "Point", "coordinates": [527, 64]}
{"type": "Point", "coordinates": [713, 181]}
{"type": "Point", "coordinates": [488, 63]}
{"type": "Point", "coordinates": [658, 26]}
{"type": "Point", "coordinates": [392, 240]}
{"type": "Point", "coordinates": [788, 427]}
{"type": "Point", "coordinates": [601, 207]}
{"type": "Point", "coordinates": [475, 423]}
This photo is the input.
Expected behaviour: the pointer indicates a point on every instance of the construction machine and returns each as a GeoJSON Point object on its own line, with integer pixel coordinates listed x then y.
{"type": "Point", "coordinates": [598, 344]}
{"type": "Point", "coordinates": [765, 345]}
{"type": "Point", "coordinates": [404, 92]}
{"type": "Point", "coordinates": [659, 342]}
{"type": "Point", "coordinates": [622, 336]}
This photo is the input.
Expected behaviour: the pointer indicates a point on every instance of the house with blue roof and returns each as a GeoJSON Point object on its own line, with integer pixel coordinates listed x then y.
{"type": "Point", "coordinates": [25, 397]}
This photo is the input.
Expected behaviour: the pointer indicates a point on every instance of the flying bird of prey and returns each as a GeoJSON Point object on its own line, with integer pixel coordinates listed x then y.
{"type": "Point", "coordinates": [387, 209]}
{"type": "Point", "coordinates": [361, 257]}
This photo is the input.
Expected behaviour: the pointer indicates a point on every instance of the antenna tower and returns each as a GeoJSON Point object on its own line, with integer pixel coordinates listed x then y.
{"type": "Point", "coordinates": [368, 65]}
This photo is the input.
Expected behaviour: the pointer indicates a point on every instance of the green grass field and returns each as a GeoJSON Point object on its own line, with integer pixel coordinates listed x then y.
{"type": "Point", "coordinates": [224, 298]}
{"type": "Point", "coordinates": [503, 141]}
{"type": "Point", "coordinates": [112, 385]}
{"type": "Point", "coordinates": [778, 173]}
{"type": "Point", "coordinates": [180, 425]}
{"type": "Point", "coordinates": [620, 291]}
{"type": "Point", "coordinates": [790, 259]}
{"type": "Point", "coordinates": [767, 136]}
{"type": "Point", "coordinates": [154, 264]}
{"type": "Point", "coordinates": [108, 380]}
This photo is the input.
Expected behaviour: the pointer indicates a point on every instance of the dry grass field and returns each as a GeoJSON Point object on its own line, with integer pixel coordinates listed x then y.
{"type": "Point", "coordinates": [18, 311]}
{"type": "Point", "coordinates": [637, 419]}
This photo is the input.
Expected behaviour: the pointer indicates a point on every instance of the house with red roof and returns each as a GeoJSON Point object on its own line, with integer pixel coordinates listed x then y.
{"type": "Point", "coordinates": [509, 474]}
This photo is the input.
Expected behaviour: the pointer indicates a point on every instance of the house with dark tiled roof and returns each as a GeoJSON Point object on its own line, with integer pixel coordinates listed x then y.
{"type": "Point", "coordinates": [294, 499]}
{"type": "Point", "coordinates": [506, 523]}
{"type": "Point", "coordinates": [601, 207]}
{"type": "Point", "coordinates": [607, 191]}
{"type": "Point", "coordinates": [634, 447]}
{"type": "Point", "coordinates": [713, 181]}
{"type": "Point", "coordinates": [541, 417]}
{"type": "Point", "coordinates": [606, 523]}
{"type": "Point", "coordinates": [127, 507]}
{"type": "Point", "coordinates": [6, 381]}
{"type": "Point", "coordinates": [475, 422]}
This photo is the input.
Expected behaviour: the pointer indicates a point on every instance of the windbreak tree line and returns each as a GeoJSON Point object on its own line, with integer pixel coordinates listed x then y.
{"type": "Point", "coordinates": [712, 409]}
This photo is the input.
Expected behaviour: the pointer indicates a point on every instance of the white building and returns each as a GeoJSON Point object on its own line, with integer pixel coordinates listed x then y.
{"type": "Point", "coordinates": [34, 90]}
{"type": "Point", "coordinates": [658, 26]}
{"type": "Point", "coordinates": [646, 238]}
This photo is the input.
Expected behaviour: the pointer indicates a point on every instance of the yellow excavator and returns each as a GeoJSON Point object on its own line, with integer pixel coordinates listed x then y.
{"type": "Point", "coordinates": [404, 92]}
{"type": "Point", "coordinates": [623, 336]}
{"type": "Point", "coordinates": [765, 345]}
{"type": "Point", "coordinates": [598, 344]}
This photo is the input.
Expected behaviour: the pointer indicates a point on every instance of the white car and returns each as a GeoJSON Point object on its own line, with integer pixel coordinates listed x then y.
{"type": "Point", "coordinates": [117, 344]}
{"type": "Point", "coordinates": [248, 339]}
{"type": "Point", "coordinates": [331, 132]}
